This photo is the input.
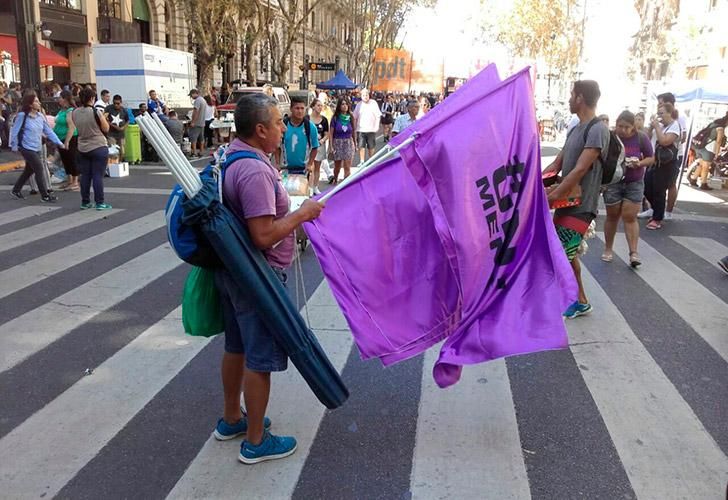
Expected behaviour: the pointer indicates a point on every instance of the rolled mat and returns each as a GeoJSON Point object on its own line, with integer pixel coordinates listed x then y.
{"type": "Point", "coordinates": [247, 265]}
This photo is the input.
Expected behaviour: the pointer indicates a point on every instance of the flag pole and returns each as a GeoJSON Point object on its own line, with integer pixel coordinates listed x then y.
{"type": "Point", "coordinates": [379, 161]}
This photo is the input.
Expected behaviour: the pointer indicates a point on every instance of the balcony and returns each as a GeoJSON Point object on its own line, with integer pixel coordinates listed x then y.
{"type": "Point", "coordinates": [62, 4]}
{"type": "Point", "coordinates": [65, 20]}
{"type": "Point", "coordinates": [113, 30]}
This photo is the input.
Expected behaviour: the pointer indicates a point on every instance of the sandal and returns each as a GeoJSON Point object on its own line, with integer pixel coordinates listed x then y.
{"type": "Point", "coordinates": [653, 225]}
{"type": "Point", "coordinates": [634, 260]}
{"type": "Point", "coordinates": [607, 256]}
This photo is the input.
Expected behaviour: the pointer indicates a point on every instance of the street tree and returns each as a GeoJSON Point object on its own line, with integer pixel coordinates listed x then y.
{"type": "Point", "coordinates": [546, 30]}
{"type": "Point", "coordinates": [381, 22]}
{"type": "Point", "coordinates": [654, 46]}
{"type": "Point", "coordinates": [214, 25]}
{"type": "Point", "coordinates": [293, 15]}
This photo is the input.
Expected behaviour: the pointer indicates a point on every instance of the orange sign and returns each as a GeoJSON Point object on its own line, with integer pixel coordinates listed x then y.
{"type": "Point", "coordinates": [398, 71]}
{"type": "Point", "coordinates": [391, 71]}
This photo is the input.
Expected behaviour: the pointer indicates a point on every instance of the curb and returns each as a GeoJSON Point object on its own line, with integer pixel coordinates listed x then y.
{"type": "Point", "coordinates": [12, 165]}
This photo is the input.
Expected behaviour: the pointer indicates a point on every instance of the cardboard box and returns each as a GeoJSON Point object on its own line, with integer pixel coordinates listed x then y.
{"type": "Point", "coordinates": [119, 169]}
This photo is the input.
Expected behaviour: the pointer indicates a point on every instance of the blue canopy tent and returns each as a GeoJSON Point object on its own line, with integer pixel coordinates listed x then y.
{"type": "Point", "coordinates": [705, 94]}
{"type": "Point", "coordinates": [339, 82]}
{"type": "Point", "coordinates": [696, 96]}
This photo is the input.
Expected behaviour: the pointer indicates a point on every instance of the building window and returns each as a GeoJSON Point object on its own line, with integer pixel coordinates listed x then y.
{"type": "Point", "coordinates": [313, 20]}
{"type": "Point", "coordinates": [63, 4]}
{"type": "Point", "coordinates": [110, 8]}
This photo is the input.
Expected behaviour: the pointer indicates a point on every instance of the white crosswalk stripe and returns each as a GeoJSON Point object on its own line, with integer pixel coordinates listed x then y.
{"type": "Point", "coordinates": [707, 249]}
{"type": "Point", "coordinates": [467, 440]}
{"type": "Point", "coordinates": [215, 472]}
{"type": "Point", "coordinates": [467, 437]}
{"type": "Point", "coordinates": [25, 274]}
{"type": "Point", "coordinates": [690, 299]}
{"type": "Point", "coordinates": [54, 319]}
{"type": "Point", "coordinates": [67, 433]}
{"type": "Point", "coordinates": [51, 227]}
{"type": "Point", "coordinates": [666, 451]}
{"type": "Point", "coordinates": [24, 213]}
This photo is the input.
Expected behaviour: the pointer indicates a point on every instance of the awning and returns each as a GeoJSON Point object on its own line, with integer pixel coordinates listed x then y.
{"type": "Point", "coordinates": [47, 56]}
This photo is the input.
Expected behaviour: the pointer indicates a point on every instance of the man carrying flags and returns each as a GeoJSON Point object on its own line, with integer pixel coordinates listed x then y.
{"type": "Point", "coordinates": [581, 169]}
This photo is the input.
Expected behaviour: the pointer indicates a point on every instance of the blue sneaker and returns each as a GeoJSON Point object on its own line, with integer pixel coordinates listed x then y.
{"type": "Point", "coordinates": [271, 448]}
{"type": "Point", "coordinates": [577, 309]}
{"type": "Point", "coordinates": [86, 206]}
{"type": "Point", "coordinates": [225, 431]}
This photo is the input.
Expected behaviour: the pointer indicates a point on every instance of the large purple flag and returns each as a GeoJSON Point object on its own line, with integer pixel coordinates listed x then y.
{"type": "Point", "coordinates": [466, 95]}
{"type": "Point", "coordinates": [452, 241]}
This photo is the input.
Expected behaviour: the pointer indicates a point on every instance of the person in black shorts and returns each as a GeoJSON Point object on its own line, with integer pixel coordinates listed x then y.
{"type": "Point", "coordinates": [388, 117]}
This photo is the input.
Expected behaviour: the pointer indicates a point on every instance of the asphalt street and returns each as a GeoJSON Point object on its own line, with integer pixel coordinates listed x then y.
{"type": "Point", "coordinates": [103, 395]}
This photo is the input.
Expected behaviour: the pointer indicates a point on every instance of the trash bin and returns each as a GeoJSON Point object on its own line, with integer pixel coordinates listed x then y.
{"type": "Point", "coordinates": [133, 144]}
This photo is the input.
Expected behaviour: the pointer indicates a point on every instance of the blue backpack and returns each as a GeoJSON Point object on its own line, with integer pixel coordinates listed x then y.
{"type": "Point", "coordinates": [187, 241]}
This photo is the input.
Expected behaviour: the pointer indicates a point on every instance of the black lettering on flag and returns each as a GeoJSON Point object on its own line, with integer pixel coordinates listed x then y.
{"type": "Point", "coordinates": [505, 202]}
{"type": "Point", "coordinates": [488, 199]}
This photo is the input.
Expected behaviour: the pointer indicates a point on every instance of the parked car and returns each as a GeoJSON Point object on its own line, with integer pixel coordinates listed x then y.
{"type": "Point", "coordinates": [284, 101]}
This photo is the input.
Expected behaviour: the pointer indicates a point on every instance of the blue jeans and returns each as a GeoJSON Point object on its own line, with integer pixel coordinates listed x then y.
{"type": "Point", "coordinates": [92, 166]}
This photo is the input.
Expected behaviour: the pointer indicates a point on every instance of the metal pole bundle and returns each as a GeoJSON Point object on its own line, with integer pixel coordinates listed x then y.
{"type": "Point", "coordinates": [170, 153]}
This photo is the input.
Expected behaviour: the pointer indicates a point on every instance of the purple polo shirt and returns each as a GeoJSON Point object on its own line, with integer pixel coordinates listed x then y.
{"type": "Point", "coordinates": [253, 188]}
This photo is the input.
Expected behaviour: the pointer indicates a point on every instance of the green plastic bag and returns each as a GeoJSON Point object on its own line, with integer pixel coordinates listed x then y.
{"type": "Point", "coordinates": [202, 314]}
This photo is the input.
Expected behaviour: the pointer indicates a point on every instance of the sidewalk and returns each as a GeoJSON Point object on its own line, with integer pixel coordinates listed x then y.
{"type": "Point", "coordinates": [10, 161]}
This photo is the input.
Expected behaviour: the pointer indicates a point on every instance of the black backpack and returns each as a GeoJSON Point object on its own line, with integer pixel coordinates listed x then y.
{"type": "Point", "coordinates": [613, 165]}
{"type": "Point", "coordinates": [702, 138]}
{"type": "Point", "coordinates": [306, 127]}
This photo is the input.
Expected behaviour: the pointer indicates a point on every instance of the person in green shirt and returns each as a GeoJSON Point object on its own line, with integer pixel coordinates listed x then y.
{"type": "Point", "coordinates": [69, 135]}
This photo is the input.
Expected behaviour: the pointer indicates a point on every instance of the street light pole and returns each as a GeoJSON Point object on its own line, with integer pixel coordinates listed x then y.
{"type": "Point", "coordinates": [25, 27]}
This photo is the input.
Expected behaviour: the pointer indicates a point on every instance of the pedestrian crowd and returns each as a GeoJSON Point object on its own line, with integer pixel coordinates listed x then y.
{"type": "Point", "coordinates": [653, 160]}
{"type": "Point", "coordinates": [87, 132]}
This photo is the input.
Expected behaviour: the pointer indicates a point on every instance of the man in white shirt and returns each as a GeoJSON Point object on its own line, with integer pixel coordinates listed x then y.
{"type": "Point", "coordinates": [104, 101]}
{"type": "Point", "coordinates": [404, 121]}
{"type": "Point", "coordinates": [367, 115]}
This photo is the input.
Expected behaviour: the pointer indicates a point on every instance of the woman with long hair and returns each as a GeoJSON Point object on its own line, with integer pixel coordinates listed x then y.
{"type": "Point", "coordinates": [342, 138]}
{"type": "Point", "coordinates": [70, 139]}
{"type": "Point", "coordinates": [27, 137]}
{"type": "Point", "coordinates": [658, 178]}
{"type": "Point", "coordinates": [624, 198]}
{"type": "Point", "coordinates": [93, 150]}
{"type": "Point", "coordinates": [322, 126]}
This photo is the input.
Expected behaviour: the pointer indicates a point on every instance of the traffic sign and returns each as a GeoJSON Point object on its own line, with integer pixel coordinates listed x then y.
{"type": "Point", "coordinates": [321, 66]}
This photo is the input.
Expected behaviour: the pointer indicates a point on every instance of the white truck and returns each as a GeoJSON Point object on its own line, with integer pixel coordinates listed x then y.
{"type": "Point", "coordinates": [133, 69]}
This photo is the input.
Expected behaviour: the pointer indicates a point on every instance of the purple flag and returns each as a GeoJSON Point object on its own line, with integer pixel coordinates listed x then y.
{"type": "Point", "coordinates": [453, 240]}
{"type": "Point", "coordinates": [471, 91]}
{"type": "Point", "coordinates": [378, 247]}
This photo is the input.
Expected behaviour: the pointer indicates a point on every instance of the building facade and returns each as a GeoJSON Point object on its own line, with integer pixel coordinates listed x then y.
{"type": "Point", "coordinates": [681, 40]}
{"type": "Point", "coordinates": [77, 25]}
{"type": "Point", "coordinates": [326, 35]}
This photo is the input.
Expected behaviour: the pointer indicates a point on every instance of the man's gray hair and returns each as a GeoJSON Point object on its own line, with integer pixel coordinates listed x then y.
{"type": "Point", "coordinates": [251, 110]}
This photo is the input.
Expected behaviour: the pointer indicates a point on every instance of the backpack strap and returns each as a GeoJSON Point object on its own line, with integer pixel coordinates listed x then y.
{"type": "Point", "coordinates": [21, 131]}
{"type": "Point", "coordinates": [238, 155]}
{"type": "Point", "coordinates": [593, 122]}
